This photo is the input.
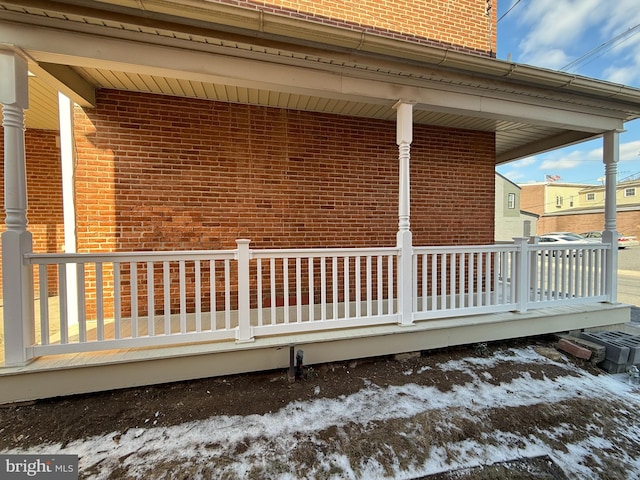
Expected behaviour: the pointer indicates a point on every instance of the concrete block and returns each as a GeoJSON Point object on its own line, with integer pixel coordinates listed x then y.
{"type": "Point", "coordinates": [612, 335]}
{"type": "Point", "coordinates": [612, 367]}
{"type": "Point", "coordinates": [623, 339]}
{"type": "Point", "coordinates": [633, 342]}
{"type": "Point", "coordinates": [574, 349]}
{"type": "Point", "coordinates": [615, 352]}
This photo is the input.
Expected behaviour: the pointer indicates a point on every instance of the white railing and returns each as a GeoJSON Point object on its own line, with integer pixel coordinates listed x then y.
{"type": "Point", "coordinates": [465, 280]}
{"type": "Point", "coordinates": [315, 289]}
{"type": "Point", "coordinates": [136, 299]}
{"type": "Point", "coordinates": [139, 299]}
{"type": "Point", "coordinates": [567, 274]}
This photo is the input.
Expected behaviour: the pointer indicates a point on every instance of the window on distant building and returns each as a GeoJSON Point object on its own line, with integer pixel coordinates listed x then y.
{"type": "Point", "coordinates": [591, 197]}
{"type": "Point", "coordinates": [629, 192]}
{"type": "Point", "coordinates": [511, 200]}
{"type": "Point", "coordinates": [559, 200]}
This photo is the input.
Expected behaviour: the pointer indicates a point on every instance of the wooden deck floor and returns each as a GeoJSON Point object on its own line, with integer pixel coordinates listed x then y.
{"type": "Point", "coordinates": [160, 326]}
{"type": "Point", "coordinates": [57, 375]}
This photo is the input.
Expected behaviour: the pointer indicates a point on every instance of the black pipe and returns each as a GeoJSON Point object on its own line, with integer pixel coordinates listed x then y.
{"type": "Point", "coordinates": [291, 375]}
{"type": "Point", "coordinates": [299, 375]}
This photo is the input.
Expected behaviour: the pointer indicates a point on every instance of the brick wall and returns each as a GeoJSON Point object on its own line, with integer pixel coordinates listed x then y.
{"type": "Point", "coordinates": [160, 173]}
{"type": "Point", "coordinates": [532, 199]}
{"type": "Point", "coordinates": [627, 223]}
{"type": "Point", "coordinates": [164, 173]}
{"type": "Point", "coordinates": [459, 24]}
{"type": "Point", "coordinates": [44, 188]}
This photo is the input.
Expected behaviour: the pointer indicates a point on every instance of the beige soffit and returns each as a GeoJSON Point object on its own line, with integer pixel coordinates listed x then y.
{"type": "Point", "coordinates": [251, 34]}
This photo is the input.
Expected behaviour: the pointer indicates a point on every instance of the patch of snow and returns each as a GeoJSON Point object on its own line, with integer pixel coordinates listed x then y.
{"type": "Point", "coordinates": [271, 436]}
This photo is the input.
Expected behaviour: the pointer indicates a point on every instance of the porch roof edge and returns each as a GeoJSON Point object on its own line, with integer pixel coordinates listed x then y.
{"type": "Point", "coordinates": [266, 26]}
{"type": "Point", "coordinates": [261, 23]}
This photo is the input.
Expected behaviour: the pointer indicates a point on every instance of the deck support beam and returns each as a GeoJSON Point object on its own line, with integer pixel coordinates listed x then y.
{"type": "Point", "coordinates": [404, 137]}
{"type": "Point", "coordinates": [17, 281]}
{"type": "Point", "coordinates": [611, 156]}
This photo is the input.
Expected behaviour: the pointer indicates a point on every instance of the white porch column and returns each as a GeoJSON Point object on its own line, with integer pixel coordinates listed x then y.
{"type": "Point", "coordinates": [17, 278]}
{"type": "Point", "coordinates": [404, 241]}
{"type": "Point", "coordinates": [67, 154]}
{"type": "Point", "coordinates": [611, 155]}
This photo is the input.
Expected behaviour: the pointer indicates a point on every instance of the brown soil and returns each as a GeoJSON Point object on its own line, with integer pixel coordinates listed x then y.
{"type": "Point", "coordinates": [63, 420]}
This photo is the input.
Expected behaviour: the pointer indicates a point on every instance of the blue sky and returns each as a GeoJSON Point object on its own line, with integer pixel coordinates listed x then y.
{"type": "Point", "coordinates": [553, 34]}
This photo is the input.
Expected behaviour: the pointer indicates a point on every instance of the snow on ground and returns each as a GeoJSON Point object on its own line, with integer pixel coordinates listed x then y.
{"type": "Point", "coordinates": [264, 443]}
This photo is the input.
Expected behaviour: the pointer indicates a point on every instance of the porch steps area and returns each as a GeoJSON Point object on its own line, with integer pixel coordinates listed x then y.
{"type": "Point", "coordinates": [68, 374]}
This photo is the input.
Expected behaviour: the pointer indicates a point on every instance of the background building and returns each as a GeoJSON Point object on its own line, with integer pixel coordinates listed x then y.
{"type": "Point", "coordinates": [580, 207]}
{"type": "Point", "coordinates": [510, 220]}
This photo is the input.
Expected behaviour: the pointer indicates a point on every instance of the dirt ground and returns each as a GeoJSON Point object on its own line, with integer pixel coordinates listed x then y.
{"type": "Point", "coordinates": [63, 420]}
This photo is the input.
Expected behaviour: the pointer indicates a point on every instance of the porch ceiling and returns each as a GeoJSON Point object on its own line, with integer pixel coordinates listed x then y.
{"type": "Point", "coordinates": [75, 48]}
{"type": "Point", "coordinates": [42, 113]}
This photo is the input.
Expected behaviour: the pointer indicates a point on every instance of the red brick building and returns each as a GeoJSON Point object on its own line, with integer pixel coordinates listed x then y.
{"type": "Point", "coordinates": [304, 124]}
{"type": "Point", "coordinates": [189, 173]}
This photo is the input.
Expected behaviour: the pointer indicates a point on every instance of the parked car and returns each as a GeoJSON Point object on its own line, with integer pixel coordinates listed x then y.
{"type": "Point", "coordinates": [562, 238]}
{"type": "Point", "coordinates": [624, 241]}
{"type": "Point", "coordinates": [577, 236]}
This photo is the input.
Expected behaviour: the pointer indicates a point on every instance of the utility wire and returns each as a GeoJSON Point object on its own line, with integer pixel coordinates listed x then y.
{"type": "Point", "coordinates": [511, 8]}
{"type": "Point", "coordinates": [633, 176]}
{"type": "Point", "coordinates": [622, 37]}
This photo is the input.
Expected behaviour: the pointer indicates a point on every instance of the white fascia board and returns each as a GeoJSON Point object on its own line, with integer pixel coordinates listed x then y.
{"type": "Point", "coordinates": [92, 51]}
{"type": "Point", "coordinates": [314, 78]}
{"type": "Point", "coordinates": [518, 108]}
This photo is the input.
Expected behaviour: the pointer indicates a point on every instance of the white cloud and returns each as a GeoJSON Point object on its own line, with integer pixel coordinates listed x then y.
{"type": "Point", "coordinates": [586, 159]}
{"type": "Point", "coordinates": [553, 33]}
{"type": "Point", "coordinates": [592, 155]}
{"type": "Point", "coordinates": [625, 61]}
{"type": "Point", "coordinates": [525, 162]}
{"type": "Point", "coordinates": [554, 27]}
{"type": "Point", "coordinates": [556, 32]}
{"type": "Point", "coordinates": [566, 161]}
{"type": "Point", "coordinates": [548, 58]}
{"type": "Point", "coordinates": [514, 176]}
{"type": "Point", "coordinates": [518, 171]}
{"type": "Point", "coordinates": [620, 15]}
{"type": "Point", "coordinates": [624, 75]}
{"type": "Point", "coordinates": [630, 151]}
